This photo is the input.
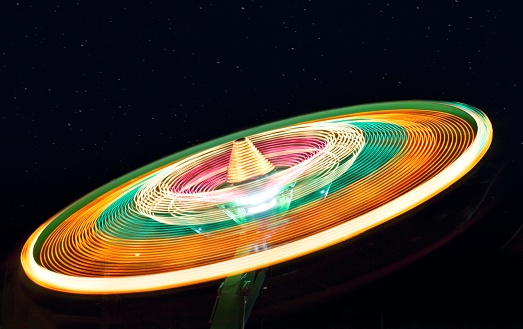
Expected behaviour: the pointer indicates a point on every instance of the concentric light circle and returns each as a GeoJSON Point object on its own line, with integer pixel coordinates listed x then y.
{"type": "Point", "coordinates": [187, 192]}
{"type": "Point", "coordinates": [161, 226]}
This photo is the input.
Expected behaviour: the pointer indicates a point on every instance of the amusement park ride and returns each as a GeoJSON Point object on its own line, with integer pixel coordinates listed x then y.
{"type": "Point", "coordinates": [230, 208]}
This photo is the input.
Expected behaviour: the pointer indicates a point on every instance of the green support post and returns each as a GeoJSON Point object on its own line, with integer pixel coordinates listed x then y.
{"type": "Point", "coordinates": [235, 300]}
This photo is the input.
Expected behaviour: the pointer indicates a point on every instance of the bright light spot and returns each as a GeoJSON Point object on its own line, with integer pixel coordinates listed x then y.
{"type": "Point", "coordinates": [258, 198]}
{"type": "Point", "coordinates": [261, 207]}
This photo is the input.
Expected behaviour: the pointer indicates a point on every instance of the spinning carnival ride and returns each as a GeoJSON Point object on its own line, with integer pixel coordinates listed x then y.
{"type": "Point", "coordinates": [231, 207]}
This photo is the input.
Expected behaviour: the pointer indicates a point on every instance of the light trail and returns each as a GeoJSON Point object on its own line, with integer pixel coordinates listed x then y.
{"type": "Point", "coordinates": [187, 193]}
{"type": "Point", "coordinates": [138, 232]}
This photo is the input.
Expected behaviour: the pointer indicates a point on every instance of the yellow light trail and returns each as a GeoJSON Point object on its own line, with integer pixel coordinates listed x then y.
{"type": "Point", "coordinates": [383, 160]}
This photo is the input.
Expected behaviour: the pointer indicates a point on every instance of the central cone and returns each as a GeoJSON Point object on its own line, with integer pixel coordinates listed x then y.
{"type": "Point", "coordinates": [246, 162]}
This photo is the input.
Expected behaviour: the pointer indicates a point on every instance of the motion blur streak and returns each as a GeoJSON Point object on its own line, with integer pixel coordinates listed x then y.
{"type": "Point", "coordinates": [394, 156]}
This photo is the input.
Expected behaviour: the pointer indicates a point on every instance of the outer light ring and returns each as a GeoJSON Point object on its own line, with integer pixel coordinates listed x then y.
{"type": "Point", "coordinates": [466, 160]}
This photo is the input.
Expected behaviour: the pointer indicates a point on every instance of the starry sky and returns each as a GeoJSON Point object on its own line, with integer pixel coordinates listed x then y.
{"type": "Point", "coordinates": [90, 90]}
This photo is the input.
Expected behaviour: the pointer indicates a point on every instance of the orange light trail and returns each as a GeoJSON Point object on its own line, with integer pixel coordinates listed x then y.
{"type": "Point", "coordinates": [380, 160]}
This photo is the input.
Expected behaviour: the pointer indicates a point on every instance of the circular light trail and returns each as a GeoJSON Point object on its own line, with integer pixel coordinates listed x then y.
{"type": "Point", "coordinates": [163, 226]}
{"type": "Point", "coordinates": [187, 192]}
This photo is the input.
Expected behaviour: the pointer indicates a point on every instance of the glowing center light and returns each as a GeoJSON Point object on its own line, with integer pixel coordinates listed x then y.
{"type": "Point", "coordinates": [248, 164]}
{"type": "Point", "coordinates": [258, 199]}
{"type": "Point", "coordinates": [261, 207]}
{"type": "Point", "coordinates": [271, 202]}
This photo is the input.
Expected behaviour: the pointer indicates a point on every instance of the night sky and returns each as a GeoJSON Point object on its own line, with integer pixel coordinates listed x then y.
{"type": "Point", "coordinates": [91, 90]}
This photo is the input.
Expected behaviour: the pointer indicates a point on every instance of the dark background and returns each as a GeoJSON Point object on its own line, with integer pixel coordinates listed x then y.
{"type": "Point", "coordinates": [90, 90]}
